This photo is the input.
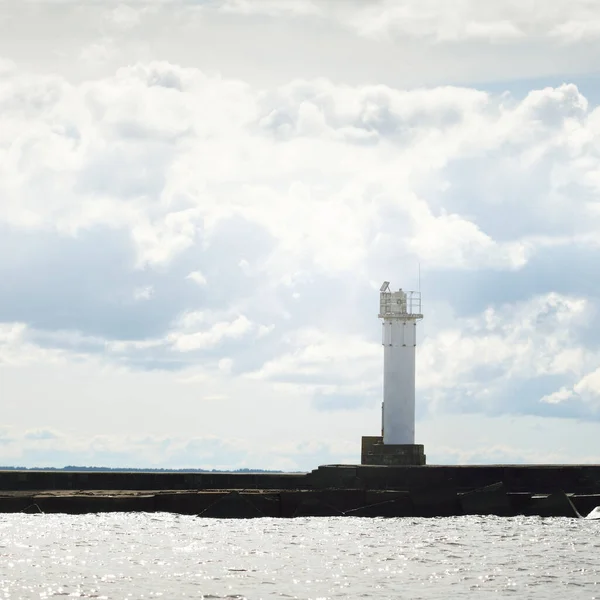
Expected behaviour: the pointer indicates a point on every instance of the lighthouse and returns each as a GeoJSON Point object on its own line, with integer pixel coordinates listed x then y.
{"type": "Point", "coordinates": [400, 311]}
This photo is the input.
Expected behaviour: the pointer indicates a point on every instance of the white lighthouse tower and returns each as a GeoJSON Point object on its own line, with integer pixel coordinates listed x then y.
{"type": "Point", "coordinates": [400, 312]}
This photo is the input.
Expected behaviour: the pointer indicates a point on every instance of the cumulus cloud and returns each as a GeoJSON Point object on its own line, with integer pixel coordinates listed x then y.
{"type": "Point", "coordinates": [303, 182]}
{"type": "Point", "coordinates": [585, 389]}
{"type": "Point", "coordinates": [166, 221]}
{"type": "Point", "coordinates": [144, 147]}
{"type": "Point", "coordinates": [478, 364]}
{"type": "Point", "coordinates": [16, 350]}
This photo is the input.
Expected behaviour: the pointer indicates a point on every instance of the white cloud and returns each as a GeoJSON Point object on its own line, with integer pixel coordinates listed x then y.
{"type": "Point", "coordinates": [499, 21]}
{"type": "Point", "coordinates": [437, 20]}
{"type": "Point", "coordinates": [452, 241]}
{"type": "Point", "coordinates": [557, 397]}
{"type": "Point", "coordinates": [17, 351]}
{"type": "Point", "coordinates": [197, 277]}
{"type": "Point", "coordinates": [496, 21]}
{"type": "Point", "coordinates": [185, 342]}
{"type": "Point", "coordinates": [337, 359]}
{"type": "Point", "coordinates": [186, 162]}
{"type": "Point", "coordinates": [585, 389]}
{"type": "Point", "coordinates": [528, 340]}
{"type": "Point", "coordinates": [590, 383]}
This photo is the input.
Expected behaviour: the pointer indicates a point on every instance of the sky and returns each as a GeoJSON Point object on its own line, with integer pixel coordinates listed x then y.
{"type": "Point", "coordinates": [199, 202]}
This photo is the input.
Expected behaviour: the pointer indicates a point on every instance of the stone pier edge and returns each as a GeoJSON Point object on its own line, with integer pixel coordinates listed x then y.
{"type": "Point", "coordinates": [330, 490]}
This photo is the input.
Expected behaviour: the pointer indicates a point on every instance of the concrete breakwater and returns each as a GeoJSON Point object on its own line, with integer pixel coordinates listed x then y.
{"type": "Point", "coordinates": [331, 490]}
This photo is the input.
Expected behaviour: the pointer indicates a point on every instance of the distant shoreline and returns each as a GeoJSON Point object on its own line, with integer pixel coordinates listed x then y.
{"type": "Point", "coordinates": [141, 469]}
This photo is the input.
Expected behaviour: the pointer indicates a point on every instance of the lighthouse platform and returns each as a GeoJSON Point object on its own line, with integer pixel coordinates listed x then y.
{"type": "Point", "coordinates": [375, 452]}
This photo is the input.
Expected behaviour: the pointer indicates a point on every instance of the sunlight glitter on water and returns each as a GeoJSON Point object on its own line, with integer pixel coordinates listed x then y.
{"type": "Point", "coordinates": [158, 555]}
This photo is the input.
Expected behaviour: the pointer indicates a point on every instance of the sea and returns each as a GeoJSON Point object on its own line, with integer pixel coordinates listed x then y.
{"type": "Point", "coordinates": [161, 555]}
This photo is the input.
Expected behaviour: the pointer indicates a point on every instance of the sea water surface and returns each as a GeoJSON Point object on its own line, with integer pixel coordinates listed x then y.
{"type": "Point", "coordinates": [162, 555]}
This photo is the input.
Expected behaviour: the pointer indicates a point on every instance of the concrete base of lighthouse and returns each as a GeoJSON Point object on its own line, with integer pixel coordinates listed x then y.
{"type": "Point", "coordinates": [375, 452]}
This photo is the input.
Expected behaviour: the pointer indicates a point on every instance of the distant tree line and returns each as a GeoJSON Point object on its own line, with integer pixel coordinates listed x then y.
{"type": "Point", "coordinates": [136, 469]}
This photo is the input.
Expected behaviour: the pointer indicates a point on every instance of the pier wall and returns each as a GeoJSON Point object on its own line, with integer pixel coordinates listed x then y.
{"type": "Point", "coordinates": [330, 490]}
